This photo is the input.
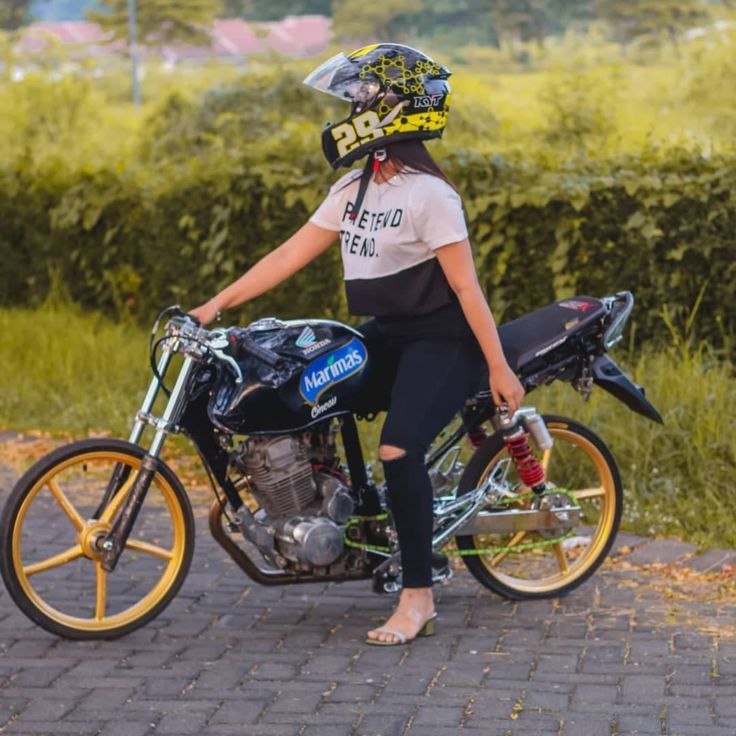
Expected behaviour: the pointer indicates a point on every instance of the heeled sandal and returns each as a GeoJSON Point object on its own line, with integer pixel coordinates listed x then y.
{"type": "Point", "coordinates": [400, 639]}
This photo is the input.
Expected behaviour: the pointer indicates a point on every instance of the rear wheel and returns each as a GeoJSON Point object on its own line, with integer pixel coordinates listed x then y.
{"type": "Point", "coordinates": [51, 558]}
{"type": "Point", "coordinates": [531, 564]}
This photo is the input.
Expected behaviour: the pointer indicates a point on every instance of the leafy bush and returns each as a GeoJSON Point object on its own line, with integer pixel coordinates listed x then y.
{"type": "Point", "coordinates": [133, 241]}
{"type": "Point", "coordinates": [663, 229]}
{"type": "Point", "coordinates": [709, 90]}
{"type": "Point", "coordinates": [582, 107]}
{"type": "Point", "coordinates": [677, 477]}
{"type": "Point", "coordinates": [563, 192]}
{"type": "Point", "coordinates": [45, 114]}
{"type": "Point", "coordinates": [267, 115]}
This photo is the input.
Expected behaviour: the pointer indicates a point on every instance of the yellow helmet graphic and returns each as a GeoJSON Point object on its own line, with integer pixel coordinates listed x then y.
{"type": "Point", "coordinates": [396, 93]}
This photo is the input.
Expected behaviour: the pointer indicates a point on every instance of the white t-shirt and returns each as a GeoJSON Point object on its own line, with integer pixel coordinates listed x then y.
{"type": "Point", "coordinates": [388, 250]}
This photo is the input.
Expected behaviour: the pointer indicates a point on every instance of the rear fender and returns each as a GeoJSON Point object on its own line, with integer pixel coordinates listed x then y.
{"type": "Point", "coordinates": [611, 378]}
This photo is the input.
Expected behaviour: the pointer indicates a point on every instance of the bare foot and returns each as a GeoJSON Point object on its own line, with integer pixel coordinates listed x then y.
{"type": "Point", "coordinates": [415, 608]}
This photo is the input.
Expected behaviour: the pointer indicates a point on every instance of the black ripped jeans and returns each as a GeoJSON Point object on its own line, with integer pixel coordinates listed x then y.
{"type": "Point", "coordinates": [425, 379]}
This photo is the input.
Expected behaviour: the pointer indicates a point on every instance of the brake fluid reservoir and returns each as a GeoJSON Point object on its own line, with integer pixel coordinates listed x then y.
{"type": "Point", "coordinates": [535, 426]}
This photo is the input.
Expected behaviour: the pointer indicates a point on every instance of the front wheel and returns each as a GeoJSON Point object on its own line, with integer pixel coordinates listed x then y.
{"type": "Point", "coordinates": [528, 565]}
{"type": "Point", "coordinates": [51, 560]}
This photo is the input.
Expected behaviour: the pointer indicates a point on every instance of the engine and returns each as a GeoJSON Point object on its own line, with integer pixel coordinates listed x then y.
{"type": "Point", "coordinates": [302, 497]}
{"type": "Point", "coordinates": [280, 473]}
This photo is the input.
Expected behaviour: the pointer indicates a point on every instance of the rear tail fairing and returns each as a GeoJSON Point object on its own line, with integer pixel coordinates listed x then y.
{"type": "Point", "coordinates": [568, 341]}
{"type": "Point", "coordinates": [541, 336]}
{"type": "Point", "coordinates": [604, 371]}
{"type": "Point", "coordinates": [611, 378]}
{"type": "Point", "coordinates": [554, 343]}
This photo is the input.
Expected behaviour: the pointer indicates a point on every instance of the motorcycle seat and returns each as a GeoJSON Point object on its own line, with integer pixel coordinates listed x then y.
{"type": "Point", "coordinates": [535, 334]}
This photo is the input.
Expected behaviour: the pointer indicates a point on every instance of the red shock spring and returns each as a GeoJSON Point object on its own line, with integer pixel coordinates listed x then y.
{"type": "Point", "coordinates": [527, 466]}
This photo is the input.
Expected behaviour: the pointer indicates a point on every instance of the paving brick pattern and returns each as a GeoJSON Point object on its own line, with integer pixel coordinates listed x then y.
{"type": "Point", "coordinates": [230, 657]}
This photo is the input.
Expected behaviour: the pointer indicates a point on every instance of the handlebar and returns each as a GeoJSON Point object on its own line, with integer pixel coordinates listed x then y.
{"type": "Point", "coordinates": [215, 342]}
{"type": "Point", "coordinates": [258, 351]}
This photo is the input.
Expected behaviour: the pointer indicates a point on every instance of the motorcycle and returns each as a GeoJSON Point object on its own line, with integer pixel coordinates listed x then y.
{"type": "Point", "coordinates": [532, 511]}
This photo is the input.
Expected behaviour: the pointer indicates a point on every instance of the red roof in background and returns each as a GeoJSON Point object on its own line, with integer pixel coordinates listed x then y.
{"type": "Point", "coordinates": [295, 35]}
{"type": "Point", "coordinates": [310, 34]}
{"type": "Point", "coordinates": [36, 37]}
{"type": "Point", "coordinates": [233, 37]}
{"type": "Point", "coordinates": [73, 31]}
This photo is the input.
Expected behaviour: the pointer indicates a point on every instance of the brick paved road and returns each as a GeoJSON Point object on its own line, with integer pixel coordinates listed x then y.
{"type": "Point", "coordinates": [620, 656]}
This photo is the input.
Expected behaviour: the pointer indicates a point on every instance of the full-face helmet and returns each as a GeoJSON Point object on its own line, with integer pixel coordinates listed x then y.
{"type": "Point", "coordinates": [396, 93]}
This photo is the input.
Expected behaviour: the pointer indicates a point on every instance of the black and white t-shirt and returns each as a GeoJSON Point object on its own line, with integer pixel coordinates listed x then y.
{"type": "Point", "coordinates": [388, 250]}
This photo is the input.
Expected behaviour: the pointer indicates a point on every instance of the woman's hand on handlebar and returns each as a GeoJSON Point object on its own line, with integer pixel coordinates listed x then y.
{"type": "Point", "coordinates": [206, 312]}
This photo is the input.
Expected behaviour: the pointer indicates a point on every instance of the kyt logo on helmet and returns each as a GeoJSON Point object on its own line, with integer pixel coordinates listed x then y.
{"type": "Point", "coordinates": [396, 93]}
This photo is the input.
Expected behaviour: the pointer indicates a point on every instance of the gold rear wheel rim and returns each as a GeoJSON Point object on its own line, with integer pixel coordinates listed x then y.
{"type": "Point", "coordinates": [569, 570]}
{"type": "Point", "coordinates": [173, 556]}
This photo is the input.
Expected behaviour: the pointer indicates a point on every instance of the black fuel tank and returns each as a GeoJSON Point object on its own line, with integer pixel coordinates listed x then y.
{"type": "Point", "coordinates": [321, 375]}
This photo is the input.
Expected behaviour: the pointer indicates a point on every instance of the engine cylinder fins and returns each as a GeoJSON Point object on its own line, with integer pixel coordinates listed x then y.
{"type": "Point", "coordinates": [280, 473]}
{"type": "Point", "coordinates": [291, 497]}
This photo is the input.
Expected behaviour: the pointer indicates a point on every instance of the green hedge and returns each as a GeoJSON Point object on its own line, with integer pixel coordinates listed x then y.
{"type": "Point", "coordinates": [663, 229]}
{"type": "Point", "coordinates": [136, 238]}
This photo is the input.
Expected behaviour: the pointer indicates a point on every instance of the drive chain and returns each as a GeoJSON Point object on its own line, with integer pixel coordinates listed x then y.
{"type": "Point", "coordinates": [499, 549]}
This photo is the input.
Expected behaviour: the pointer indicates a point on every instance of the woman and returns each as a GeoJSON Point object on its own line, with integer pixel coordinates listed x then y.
{"type": "Point", "coordinates": [408, 264]}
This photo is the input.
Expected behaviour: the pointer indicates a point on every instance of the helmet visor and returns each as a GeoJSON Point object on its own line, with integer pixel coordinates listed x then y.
{"type": "Point", "coordinates": [340, 77]}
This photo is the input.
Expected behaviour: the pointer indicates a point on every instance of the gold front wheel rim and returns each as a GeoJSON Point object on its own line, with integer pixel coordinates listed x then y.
{"type": "Point", "coordinates": [87, 535]}
{"type": "Point", "coordinates": [568, 570]}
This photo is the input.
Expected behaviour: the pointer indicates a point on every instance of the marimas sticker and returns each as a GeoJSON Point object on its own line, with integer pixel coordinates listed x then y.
{"type": "Point", "coordinates": [322, 374]}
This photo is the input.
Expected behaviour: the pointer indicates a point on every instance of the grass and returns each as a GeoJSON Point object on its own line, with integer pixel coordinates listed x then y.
{"type": "Point", "coordinates": [678, 478]}
{"type": "Point", "coordinates": [68, 372]}
{"type": "Point", "coordinates": [73, 373]}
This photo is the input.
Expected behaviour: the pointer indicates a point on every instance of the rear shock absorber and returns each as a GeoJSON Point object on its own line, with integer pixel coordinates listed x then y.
{"type": "Point", "coordinates": [516, 439]}
{"type": "Point", "coordinates": [477, 437]}
{"type": "Point", "coordinates": [530, 470]}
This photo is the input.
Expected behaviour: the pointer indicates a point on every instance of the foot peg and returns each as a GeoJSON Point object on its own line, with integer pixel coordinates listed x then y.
{"type": "Point", "coordinates": [387, 578]}
{"type": "Point", "coordinates": [441, 570]}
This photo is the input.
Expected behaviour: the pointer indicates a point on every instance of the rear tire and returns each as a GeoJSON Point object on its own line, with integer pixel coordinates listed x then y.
{"type": "Point", "coordinates": [582, 466]}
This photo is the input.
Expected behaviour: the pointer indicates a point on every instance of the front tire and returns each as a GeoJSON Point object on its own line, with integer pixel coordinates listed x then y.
{"type": "Point", "coordinates": [50, 560]}
{"type": "Point", "coordinates": [582, 467]}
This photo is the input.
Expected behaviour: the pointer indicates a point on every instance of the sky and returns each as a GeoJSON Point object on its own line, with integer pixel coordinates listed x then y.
{"type": "Point", "coordinates": [53, 10]}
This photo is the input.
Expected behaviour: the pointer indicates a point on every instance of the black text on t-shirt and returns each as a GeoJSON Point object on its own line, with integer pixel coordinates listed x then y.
{"type": "Point", "coordinates": [359, 244]}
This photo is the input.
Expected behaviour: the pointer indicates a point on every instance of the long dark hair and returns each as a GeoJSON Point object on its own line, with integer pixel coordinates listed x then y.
{"type": "Point", "coordinates": [409, 157]}
{"type": "Point", "coordinates": [412, 156]}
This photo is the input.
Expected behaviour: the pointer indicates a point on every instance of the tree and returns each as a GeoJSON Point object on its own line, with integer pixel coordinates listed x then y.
{"type": "Point", "coordinates": [524, 20]}
{"type": "Point", "coordinates": [566, 13]}
{"type": "Point", "coordinates": [359, 20]}
{"type": "Point", "coordinates": [161, 21]}
{"type": "Point", "coordinates": [274, 9]}
{"type": "Point", "coordinates": [13, 13]}
{"type": "Point", "coordinates": [528, 20]}
{"type": "Point", "coordinates": [631, 19]}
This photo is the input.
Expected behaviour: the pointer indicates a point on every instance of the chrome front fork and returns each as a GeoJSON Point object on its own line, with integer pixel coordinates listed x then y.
{"type": "Point", "coordinates": [166, 422]}
{"type": "Point", "coordinates": [142, 417]}
{"type": "Point", "coordinates": [117, 537]}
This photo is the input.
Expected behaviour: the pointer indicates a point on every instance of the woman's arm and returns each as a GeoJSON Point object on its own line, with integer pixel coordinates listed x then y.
{"type": "Point", "coordinates": [456, 260]}
{"type": "Point", "coordinates": [292, 255]}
